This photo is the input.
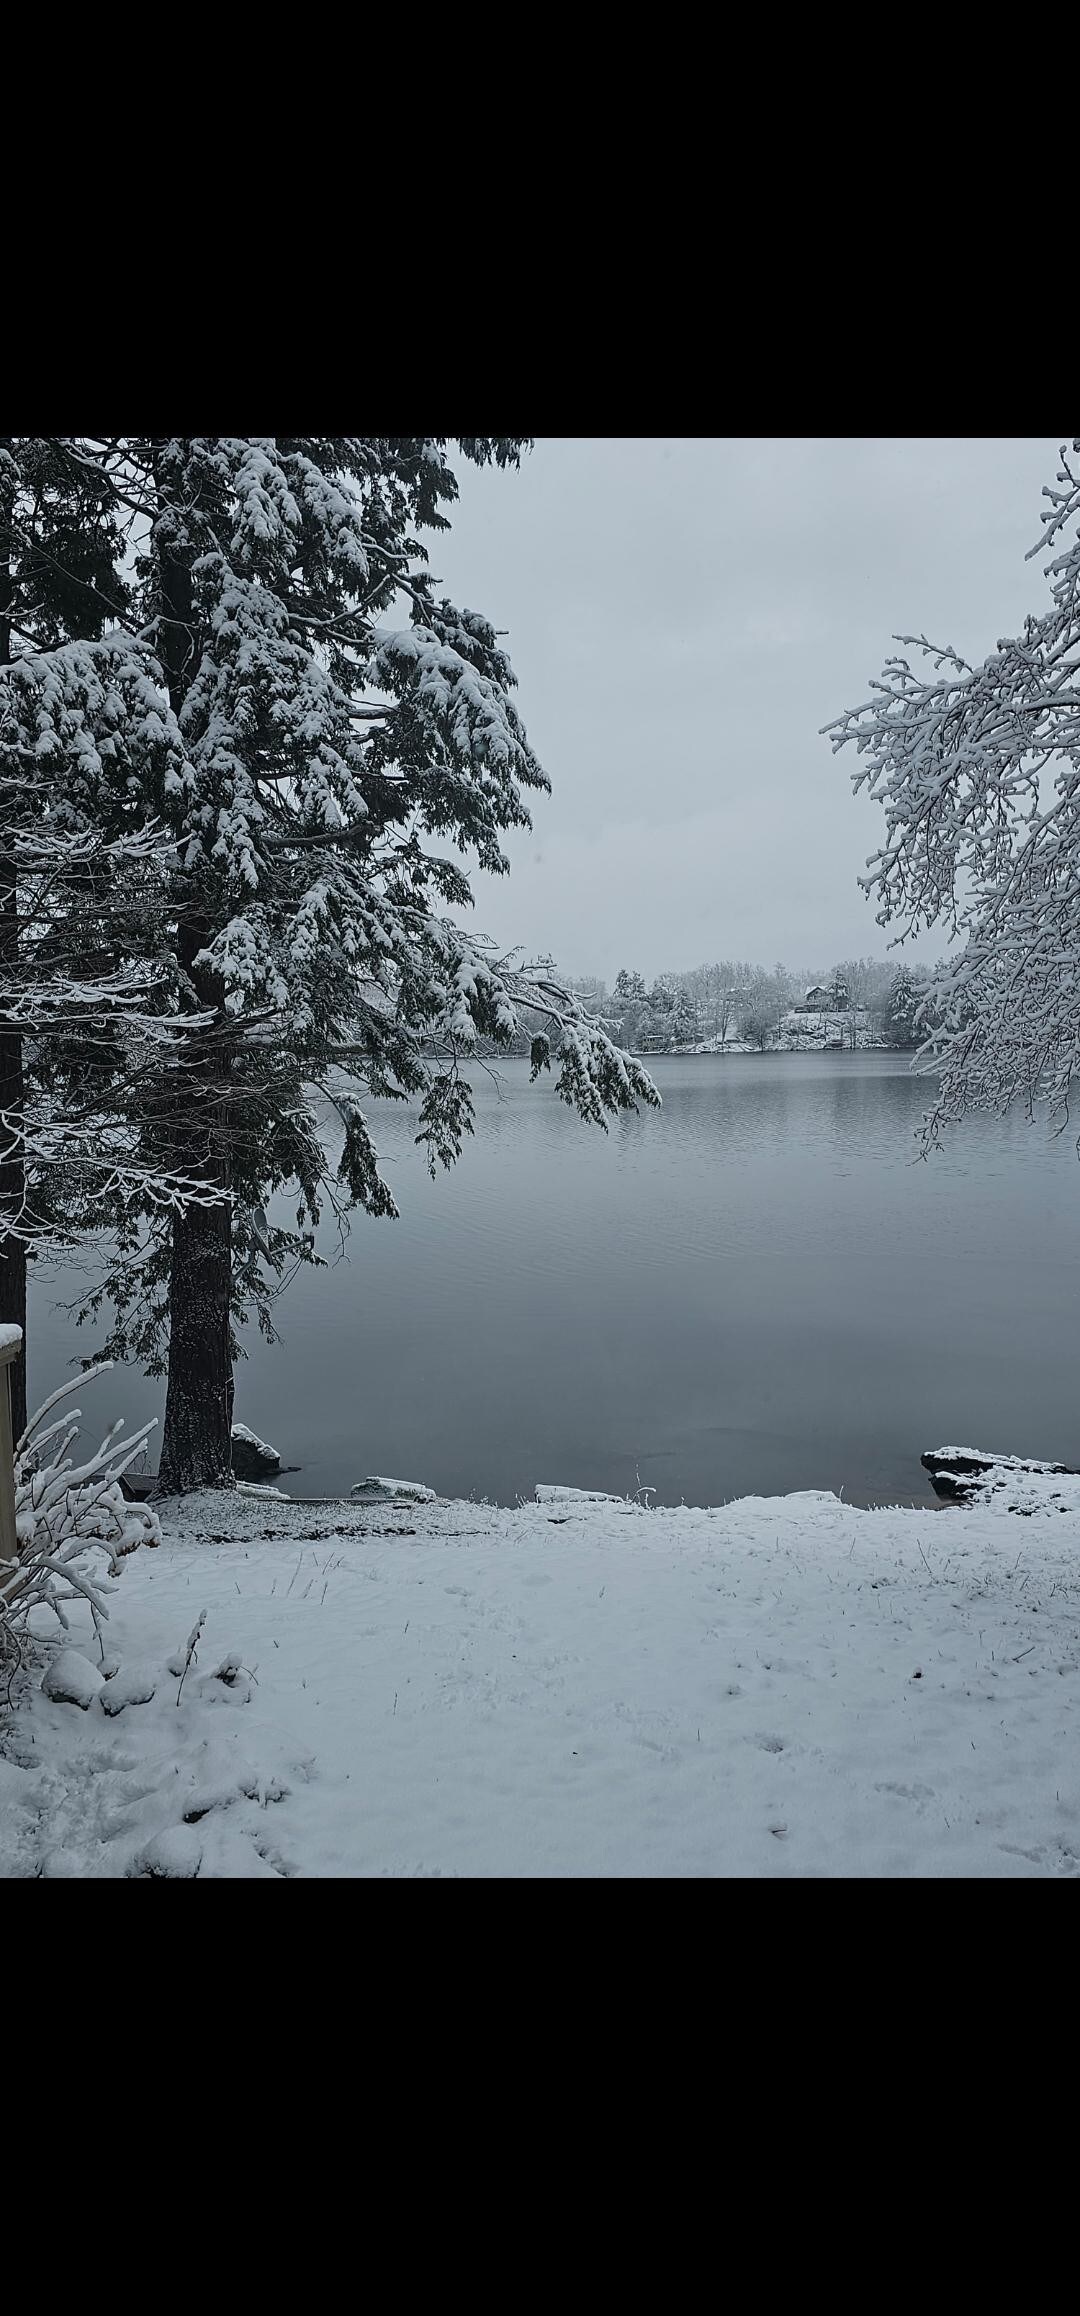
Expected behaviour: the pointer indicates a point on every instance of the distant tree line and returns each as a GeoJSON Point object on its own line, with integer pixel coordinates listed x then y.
{"type": "Point", "coordinates": [861, 1001]}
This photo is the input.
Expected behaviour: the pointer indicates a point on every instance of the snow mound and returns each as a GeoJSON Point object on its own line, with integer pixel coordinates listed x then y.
{"type": "Point", "coordinates": [132, 1685]}
{"type": "Point", "coordinates": [71, 1679]}
{"type": "Point", "coordinates": [172, 1856]}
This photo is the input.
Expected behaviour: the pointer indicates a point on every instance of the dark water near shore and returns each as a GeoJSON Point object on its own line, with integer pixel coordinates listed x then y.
{"type": "Point", "coordinates": [752, 1291]}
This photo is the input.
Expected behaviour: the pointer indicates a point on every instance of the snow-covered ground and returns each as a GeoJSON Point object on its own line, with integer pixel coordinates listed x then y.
{"type": "Point", "coordinates": [780, 1686]}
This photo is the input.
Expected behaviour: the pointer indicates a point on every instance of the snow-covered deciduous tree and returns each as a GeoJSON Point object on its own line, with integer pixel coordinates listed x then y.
{"type": "Point", "coordinates": [758, 1024]}
{"type": "Point", "coordinates": [977, 768]}
{"type": "Point", "coordinates": [348, 741]}
{"type": "Point", "coordinates": [73, 1525]}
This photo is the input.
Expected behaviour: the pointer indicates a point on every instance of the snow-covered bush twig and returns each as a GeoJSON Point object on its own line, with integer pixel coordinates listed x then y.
{"type": "Point", "coordinates": [66, 1516]}
{"type": "Point", "coordinates": [180, 1664]}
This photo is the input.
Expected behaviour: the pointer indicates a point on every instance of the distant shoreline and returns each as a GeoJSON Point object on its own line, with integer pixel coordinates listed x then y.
{"type": "Point", "coordinates": [758, 1053]}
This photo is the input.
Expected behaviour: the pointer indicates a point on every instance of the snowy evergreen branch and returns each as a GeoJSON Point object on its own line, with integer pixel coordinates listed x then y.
{"type": "Point", "coordinates": [255, 703]}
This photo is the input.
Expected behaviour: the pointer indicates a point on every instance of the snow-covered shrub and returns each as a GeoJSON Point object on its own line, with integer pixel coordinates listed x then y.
{"type": "Point", "coordinates": [74, 1526]}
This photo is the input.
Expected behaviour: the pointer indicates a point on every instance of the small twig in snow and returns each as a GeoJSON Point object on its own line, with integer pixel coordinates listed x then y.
{"type": "Point", "coordinates": [192, 1643]}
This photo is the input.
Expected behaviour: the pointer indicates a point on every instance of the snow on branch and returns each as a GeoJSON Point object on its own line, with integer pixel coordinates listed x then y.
{"type": "Point", "coordinates": [977, 770]}
{"type": "Point", "coordinates": [73, 1524]}
{"type": "Point", "coordinates": [463, 706]}
{"type": "Point", "coordinates": [176, 1005]}
{"type": "Point", "coordinates": [484, 991]}
{"type": "Point", "coordinates": [71, 711]}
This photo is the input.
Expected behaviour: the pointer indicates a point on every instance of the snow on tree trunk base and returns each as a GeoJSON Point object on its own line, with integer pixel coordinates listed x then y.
{"type": "Point", "coordinates": [1003, 1483]}
{"type": "Point", "coordinates": [253, 1460]}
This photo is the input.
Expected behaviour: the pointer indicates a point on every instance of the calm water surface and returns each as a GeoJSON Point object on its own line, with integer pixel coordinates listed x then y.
{"type": "Point", "coordinates": [755, 1290]}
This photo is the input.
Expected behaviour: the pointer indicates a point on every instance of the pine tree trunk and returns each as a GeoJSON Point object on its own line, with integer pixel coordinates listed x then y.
{"type": "Point", "coordinates": [196, 1447]}
{"type": "Point", "coordinates": [12, 1171]}
{"type": "Point", "coordinates": [196, 1440]}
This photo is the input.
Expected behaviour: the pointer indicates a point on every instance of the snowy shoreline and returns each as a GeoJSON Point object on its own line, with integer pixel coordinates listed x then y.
{"type": "Point", "coordinates": [773, 1687]}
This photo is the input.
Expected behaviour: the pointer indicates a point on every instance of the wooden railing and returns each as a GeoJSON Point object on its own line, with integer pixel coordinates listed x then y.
{"type": "Point", "coordinates": [9, 1545]}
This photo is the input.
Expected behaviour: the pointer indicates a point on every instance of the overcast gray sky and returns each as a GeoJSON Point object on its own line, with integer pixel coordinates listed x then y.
{"type": "Point", "coordinates": [683, 616]}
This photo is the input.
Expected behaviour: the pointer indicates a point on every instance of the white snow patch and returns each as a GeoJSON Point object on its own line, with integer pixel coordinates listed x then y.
{"type": "Point", "coordinates": [777, 1687]}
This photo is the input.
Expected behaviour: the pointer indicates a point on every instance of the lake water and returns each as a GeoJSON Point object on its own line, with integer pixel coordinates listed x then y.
{"type": "Point", "coordinates": [756, 1289]}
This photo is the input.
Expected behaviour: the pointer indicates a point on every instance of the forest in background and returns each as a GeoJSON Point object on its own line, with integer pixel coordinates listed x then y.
{"type": "Point", "coordinates": [733, 1004]}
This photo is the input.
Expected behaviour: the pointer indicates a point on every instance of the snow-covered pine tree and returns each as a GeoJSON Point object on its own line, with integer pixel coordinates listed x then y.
{"type": "Point", "coordinates": [901, 1007]}
{"type": "Point", "coordinates": [82, 730]}
{"type": "Point", "coordinates": [329, 748]}
{"type": "Point", "coordinates": [684, 1023]}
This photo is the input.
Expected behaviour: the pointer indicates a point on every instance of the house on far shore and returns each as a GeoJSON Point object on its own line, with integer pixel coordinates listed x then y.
{"type": "Point", "coordinates": [816, 1000]}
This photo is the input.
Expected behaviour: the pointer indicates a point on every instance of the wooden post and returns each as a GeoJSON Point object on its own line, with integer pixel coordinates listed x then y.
{"type": "Point", "coordinates": [9, 1543]}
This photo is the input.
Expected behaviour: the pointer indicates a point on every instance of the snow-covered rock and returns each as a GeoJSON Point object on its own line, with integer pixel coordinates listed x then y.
{"type": "Point", "coordinates": [71, 1679]}
{"type": "Point", "coordinates": [1003, 1483]}
{"type": "Point", "coordinates": [132, 1685]}
{"type": "Point", "coordinates": [252, 1458]}
{"type": "Point", "coordinates": [228, 1684]}
{"type": "Point", "coordinates": [376, 1489]}
{"type": "Point", "coordinates": [549, 1495]}
{"type": "Point", "coordinates": [174, 1855]}
{"type": "Point", "coordinates": [136, 1487]}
